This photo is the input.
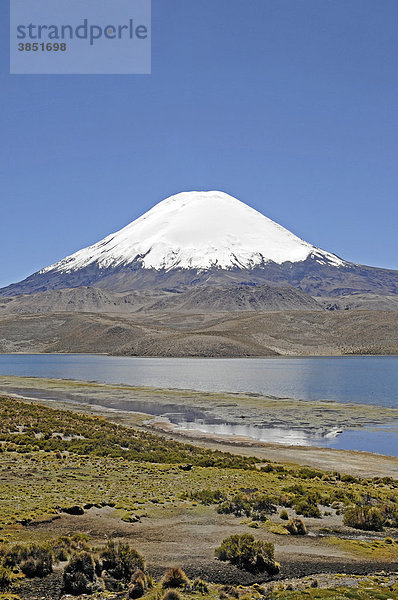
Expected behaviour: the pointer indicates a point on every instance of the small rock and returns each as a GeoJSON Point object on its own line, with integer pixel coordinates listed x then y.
{"type": "Point", "coordinates": [73, 510]}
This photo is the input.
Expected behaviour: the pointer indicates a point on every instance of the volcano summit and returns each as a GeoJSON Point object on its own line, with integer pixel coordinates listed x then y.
{"type": "Point", "coordinates": [206, 238]}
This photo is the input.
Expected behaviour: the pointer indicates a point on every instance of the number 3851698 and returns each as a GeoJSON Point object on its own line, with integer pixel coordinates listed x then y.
{"type": "Point", "coordinates": [36, 47]}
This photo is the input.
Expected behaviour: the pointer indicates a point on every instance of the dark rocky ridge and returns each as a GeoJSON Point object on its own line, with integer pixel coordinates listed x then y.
{"type": "Point", "coordinates": [197, 299]}
{"type": "Point", "coordinates": [359, 301]}
{"type": "Point", "coordinates": [313, 277]}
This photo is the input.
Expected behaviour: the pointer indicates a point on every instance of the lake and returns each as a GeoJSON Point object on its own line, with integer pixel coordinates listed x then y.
{"type": "Point", "coordinates": [364, 379]}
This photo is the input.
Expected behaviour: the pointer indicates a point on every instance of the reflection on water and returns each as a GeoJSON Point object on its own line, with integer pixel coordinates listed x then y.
{"type": "Point", "coordinates": [277, 435]}
{"type": "Point", "coordinates": [383, 440]}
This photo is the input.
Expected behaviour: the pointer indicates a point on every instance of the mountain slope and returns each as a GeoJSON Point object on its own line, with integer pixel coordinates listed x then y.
{"type": "Point", "coordinates": [203, 239]}
{"type": "Point", "coordinates": [203, 299]}
{"type": "Point", "coordinates": [301, 333]}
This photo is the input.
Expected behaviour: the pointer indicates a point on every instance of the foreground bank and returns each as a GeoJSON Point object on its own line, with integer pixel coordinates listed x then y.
{"type": "Point", "coordinates": [66, 473]}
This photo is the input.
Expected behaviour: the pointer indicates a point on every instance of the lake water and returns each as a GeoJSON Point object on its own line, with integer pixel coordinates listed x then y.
{"type": "Point", "coordinates": [365, 379]}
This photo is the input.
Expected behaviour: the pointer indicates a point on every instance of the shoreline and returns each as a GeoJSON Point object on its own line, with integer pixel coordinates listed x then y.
{"type": "Point", "coordinates": [210, 357]}
{"type": "Point", "coordinates": [357, 462]}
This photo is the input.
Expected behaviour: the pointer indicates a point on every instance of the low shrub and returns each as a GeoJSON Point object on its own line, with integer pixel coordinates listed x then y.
{"type": "Point", "coordinates": [6, 578]}
{"type": "Point", "coordinates": [296, 527]}
{"type": "Point", "coordinates": [308, 473]}
{"type": "Point", "coordinates": [273, 468]}
{"type": "Point", "coordinates": [284, 515]}
{"type": "Point", "coordinates": [66, 545]}
{"type": "Point", "coordinates": [368, 518]}
{"type": "Point", "coordinates": [39, 562]}
{"type": "Point", "coordinates": [248, 554]}
{"type": "Point", "coordinates": [13, 555]}
{"type": "Point", "coordinates": [208, 496]}
{"type": "Point", "coordinates": [390, 515]}
{"type": "Point", "coordinates": [33, 560]}
{"type": "Point", "coordinates": [136, 589]}
{"type": "Point", "coordinates": [138, 575]}
{"type": "Point", "coordinates": [121, 561]}
{"type": "Point", "coordinates": [174, 578]}
{"type": "Point", "coordinates": [79, 575]}
{"type": "Point", "coordinates": [258, 506]}
{"type": "Point", "coordinates": [349, 478]}
{"type": "Point", "coordinates": [138, 584]}
{"type": "Point", "coordinates": [307, 509]}
{"type": "Point", "coordinates": [111, 584]}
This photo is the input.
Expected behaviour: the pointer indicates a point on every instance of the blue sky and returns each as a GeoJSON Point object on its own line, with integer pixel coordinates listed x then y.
{"type": "Point", "coordinates": [289, 105]}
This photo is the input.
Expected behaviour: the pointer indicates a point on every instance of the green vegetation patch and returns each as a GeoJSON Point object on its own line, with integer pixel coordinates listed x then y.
{"type": "Point", "coordinates": [27, 427]}
{"type": "Point", "coordinates": [368, 592]}
{"type": "Point", "coordinates": [247, 553]}
{"type": "Point", "coordinates": [383, 550]}
{"type": "Point", "coordinates": [56, 460]}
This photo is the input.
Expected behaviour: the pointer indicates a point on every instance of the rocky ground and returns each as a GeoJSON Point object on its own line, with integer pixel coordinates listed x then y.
{"type": "Point", "coordinates": [168, 537]}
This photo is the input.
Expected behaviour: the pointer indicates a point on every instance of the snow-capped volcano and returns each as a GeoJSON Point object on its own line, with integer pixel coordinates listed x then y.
{"type": "Point", "coordinates": [202, 239]}
{"type": "Point", "coordinates": [196, 230]}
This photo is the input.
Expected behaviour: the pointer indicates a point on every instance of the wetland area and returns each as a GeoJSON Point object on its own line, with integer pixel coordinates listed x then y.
{"type": "Point", "coordinates": [87, 450]}
{"type": "Point", "coordinates": [348, 403]}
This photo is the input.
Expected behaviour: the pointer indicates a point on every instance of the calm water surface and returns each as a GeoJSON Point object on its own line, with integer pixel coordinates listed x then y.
{"type": "Point", "coordinates": [367, 379]}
